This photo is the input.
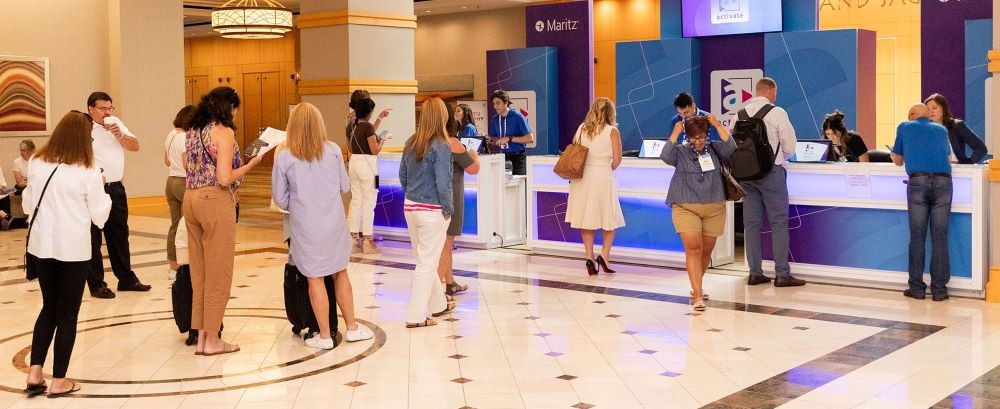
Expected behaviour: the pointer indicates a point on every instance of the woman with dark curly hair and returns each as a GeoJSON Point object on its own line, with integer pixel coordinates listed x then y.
{"type": "Point", "coordinates": [214, 170]}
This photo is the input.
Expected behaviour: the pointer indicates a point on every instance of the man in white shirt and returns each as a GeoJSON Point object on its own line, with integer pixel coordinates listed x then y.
{"type": "Point", "coordinates": [769, 193]}
{"type": "Point", "coordinates": [111, 140]}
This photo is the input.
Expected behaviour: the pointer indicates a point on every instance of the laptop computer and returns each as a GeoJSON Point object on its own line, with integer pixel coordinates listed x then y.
{"type": "Point", "coordinates": [651, 148]}
{"type": "Point", "coordinates": [811, 151]}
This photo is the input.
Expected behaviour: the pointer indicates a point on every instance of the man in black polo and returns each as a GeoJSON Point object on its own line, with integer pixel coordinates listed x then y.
{"type": "Point", "coordinates": [111, 140]}
{"type": "Point", "coordinates": [924, 148]}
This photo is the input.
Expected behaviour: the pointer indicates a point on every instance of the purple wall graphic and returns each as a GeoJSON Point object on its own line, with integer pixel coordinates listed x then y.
{"type": "Point", "coordinates": [736, 52]}
{"type": "Point", "coordinates": [942, 45]}
{"type": "Point", "coordinates": [567, 26]}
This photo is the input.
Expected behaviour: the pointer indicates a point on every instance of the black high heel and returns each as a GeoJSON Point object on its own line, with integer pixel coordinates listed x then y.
{"type": "Point", "coordinates": [604, 265]}
{"type": "Point", "coordinates": [591, 268]}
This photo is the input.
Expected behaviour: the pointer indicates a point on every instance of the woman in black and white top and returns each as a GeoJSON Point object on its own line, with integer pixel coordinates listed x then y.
{"type": "Point", "coordinates": [59, 242]}
{"type": "Point", "coordinates": [173, 157]}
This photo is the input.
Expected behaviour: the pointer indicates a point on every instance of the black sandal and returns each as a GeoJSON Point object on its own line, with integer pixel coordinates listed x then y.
{"type": "Point", "coordinates": [36, 389]}
{"type": "Point", "coordinates": [449, 308]}
{"type": "Point", "coordinates": [454, 288]}
{"type": "Point", "coordinates": [74, 388]}
{"type": "Point", "coordinates": [427, 323]}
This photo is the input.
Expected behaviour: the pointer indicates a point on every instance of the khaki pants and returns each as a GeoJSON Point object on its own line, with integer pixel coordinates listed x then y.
{"type": "Point", "coordinates": [175, 199]}
{"type": "Point", "coordinates": [210, 216]}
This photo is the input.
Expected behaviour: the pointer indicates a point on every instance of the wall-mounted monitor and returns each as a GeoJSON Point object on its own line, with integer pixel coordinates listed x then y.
{"type": "Point", "coordinates": [702, 18]}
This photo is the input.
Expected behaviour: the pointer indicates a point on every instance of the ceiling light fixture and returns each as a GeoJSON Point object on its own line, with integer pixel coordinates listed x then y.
{"type": "Point", "coordinates": [247, 19]}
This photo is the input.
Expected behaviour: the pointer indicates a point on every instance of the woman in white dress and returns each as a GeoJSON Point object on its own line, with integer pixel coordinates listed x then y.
{"type": "Point", "coordinates": [593, 199]}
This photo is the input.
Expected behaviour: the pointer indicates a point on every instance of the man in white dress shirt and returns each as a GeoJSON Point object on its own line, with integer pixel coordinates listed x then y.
{"type": "Point", "coordinates": [770, 193]}
{"type": "Point", "coordinates": [111, 140]}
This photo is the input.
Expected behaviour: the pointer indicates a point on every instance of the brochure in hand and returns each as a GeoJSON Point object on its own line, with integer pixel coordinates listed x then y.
{"type": "Point", "coordinates": [269, 139]}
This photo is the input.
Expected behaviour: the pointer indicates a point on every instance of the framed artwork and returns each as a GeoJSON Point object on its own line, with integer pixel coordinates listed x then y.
{"type": "Point", "coordinates": [24, 96]}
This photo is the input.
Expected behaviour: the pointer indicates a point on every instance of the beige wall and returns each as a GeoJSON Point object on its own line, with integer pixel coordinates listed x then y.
{"type": "Point", "coordinates": [457, 43]}
{"type": "Point", "coordinates": [57, 29]}
{"type": "Point", "coordinates": [138, 43]}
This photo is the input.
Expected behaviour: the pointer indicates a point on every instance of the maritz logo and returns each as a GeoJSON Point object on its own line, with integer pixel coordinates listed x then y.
{"type": "Point", "coordinates": [556, 25]}
{"type": "Point", "coordinates": [730, 11]}
{"type": "Point", "coordinates": [731, 89]}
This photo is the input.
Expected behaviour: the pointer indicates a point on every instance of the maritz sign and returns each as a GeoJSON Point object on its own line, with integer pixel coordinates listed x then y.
{"type": "Point", "coordinates": [556, 25]}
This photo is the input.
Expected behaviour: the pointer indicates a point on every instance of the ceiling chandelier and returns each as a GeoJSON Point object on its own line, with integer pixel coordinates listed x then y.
{"type": "Point", "coordinates": [249, 20]}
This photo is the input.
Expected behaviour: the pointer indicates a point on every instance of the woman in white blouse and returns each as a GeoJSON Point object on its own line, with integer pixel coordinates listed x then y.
{"type": "Point", "coordinates": [173, 157]}
{"type": "Point", "coordinates": [59, 242]}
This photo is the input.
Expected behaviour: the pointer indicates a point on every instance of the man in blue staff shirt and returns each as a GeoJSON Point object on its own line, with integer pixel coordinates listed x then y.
{"type": "Point", "coordinates": [510, 131]}
{"type": "Point", "coordinates": [923, 146]}
{"type": "Point", "coordinates": [686, 108]}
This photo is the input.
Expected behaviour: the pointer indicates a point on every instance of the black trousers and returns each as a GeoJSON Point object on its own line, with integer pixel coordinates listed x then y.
{"type": "Point", "coordinates": [518, 163]}
{"type": "Point", "coordinates": [61, 283]}
{"type": "Point", "coordinates": [5, 206]}
{"type": "Point", "coordinates": [116, 234]}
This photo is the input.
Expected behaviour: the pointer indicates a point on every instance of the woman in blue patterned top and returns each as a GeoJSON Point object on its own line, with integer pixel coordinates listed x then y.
{"type": "Point", "coordinates": [696, 196]}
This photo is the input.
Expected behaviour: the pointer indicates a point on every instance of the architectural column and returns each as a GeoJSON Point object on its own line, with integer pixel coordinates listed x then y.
{"type": "Point", "coordinates": [359, 44]}
{"type": "Point", "coordinates": [993, 285]}
{"type": "Point", "coordinates": [146, 77]}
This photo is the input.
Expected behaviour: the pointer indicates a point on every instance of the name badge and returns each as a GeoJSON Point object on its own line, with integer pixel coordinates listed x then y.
{"type": "Point", "coordinates": [706, 162]}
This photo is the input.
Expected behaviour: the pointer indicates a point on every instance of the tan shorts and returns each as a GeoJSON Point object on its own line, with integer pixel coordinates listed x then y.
{"type": "Point", "coordinates": [709, 219]}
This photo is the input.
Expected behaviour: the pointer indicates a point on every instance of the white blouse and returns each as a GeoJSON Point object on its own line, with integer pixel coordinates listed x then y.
{"type": "Point", "coordinates": [74, 200]}
{"type": "Point", "coordinates": [175, 145]}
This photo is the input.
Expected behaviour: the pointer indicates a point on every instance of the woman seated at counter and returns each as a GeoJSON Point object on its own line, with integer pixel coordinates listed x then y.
{"type": "Point", "coordinates": [959, 134]}
{"type": "Point", "coordinates": [845, 146]}
{"type": "Point", "coordinates": [697, 197]}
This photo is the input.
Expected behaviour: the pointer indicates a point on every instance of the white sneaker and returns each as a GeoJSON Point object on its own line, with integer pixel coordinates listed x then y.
{"type": "Point", "coordinates": [319, 343]}
{"type": "Point", "coordinates": [171, 275]}
{"type": "Point", "coordinates": [360, 334]}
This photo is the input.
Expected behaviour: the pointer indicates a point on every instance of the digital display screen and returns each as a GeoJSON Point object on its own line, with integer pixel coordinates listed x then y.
{"type": "Point", "coordinates": [702, 18]}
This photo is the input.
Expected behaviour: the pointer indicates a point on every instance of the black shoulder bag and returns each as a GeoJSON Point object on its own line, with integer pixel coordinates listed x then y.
{"type": "Point", "coordinates": [30, 269]}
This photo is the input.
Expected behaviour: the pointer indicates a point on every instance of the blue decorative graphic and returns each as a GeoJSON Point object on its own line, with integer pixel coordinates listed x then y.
{"type": "Point", "coordinates": [649, 75]}
{"type": "Point", "coordinates": [530, 69]}
{"type": "Point", "coordinates": [978, 41]}
{"type": "Point", "coordinates": [816, 72]}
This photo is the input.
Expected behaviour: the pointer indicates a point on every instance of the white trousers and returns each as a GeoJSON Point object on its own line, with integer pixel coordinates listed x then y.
{"type": "Point", "coordinates": [362, 170]}
{"type": "Point", "coordinates": [427, 232]}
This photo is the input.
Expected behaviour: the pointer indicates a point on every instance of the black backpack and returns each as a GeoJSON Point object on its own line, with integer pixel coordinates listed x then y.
{"type": "Point", "coordinates": [753, 157]}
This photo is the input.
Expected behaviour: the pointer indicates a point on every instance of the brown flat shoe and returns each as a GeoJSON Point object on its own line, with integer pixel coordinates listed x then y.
{"type": "Point", "coordinates": [226, 349]}
{"type": "Point", "coordinates": [427, 323]}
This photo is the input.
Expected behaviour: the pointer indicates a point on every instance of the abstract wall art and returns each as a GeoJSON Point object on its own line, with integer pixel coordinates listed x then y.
{"type": "Point", "coordinates": [24, 96]}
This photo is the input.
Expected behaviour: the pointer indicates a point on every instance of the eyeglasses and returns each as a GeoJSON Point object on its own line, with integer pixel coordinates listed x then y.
{"type": "Point", "coordinates": [106, 110]}
{"type": "Point", "coordinates": [697, 138]}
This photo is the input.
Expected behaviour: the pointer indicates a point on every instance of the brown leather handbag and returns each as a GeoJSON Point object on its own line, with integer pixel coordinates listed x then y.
{"type": "Point", "coordinates": [571, 161]}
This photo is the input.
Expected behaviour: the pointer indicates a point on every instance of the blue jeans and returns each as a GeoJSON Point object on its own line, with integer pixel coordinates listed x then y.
{"type": "Point", "coordinates": [928, 198]}
{"type": "Point", "coordinates": [769, 194]}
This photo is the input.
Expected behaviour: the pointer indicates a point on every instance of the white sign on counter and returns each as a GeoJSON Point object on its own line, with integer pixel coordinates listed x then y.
{"type": "Point", "coordinates": [859, 185]}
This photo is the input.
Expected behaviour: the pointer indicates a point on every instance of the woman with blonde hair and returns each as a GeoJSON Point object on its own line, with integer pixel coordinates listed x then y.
{"type": "Point", "coordinates": [425, 173]}
{"type": "Point", "coordinates": [593, 199]}
{"type": "Point", "coordinates": [307, 180]}
{"type": "Point", "coordinates": [63, 198]}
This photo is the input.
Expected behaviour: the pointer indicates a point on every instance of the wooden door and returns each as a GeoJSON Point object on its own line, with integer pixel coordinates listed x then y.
{"type": "Point", "coordinates": [188, 90]}
{"type": "Point", "coordinates": [199, 87]}
{"type": "Point", "coordinates": [250, 109]}
{"type": "Point", "coordinates": [270, 105]}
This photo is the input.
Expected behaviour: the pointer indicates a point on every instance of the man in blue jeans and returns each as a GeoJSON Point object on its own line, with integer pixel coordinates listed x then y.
{"type": "Point", "coordinates": [924, 145]}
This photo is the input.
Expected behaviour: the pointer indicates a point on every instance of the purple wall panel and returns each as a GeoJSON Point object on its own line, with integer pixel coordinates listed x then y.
{"type": "Point", "coordinates": [736, 52]}
{"type": "Point", "coordinates": [942, 45]}
{"type": "Point", "coordinates": [567, 26]}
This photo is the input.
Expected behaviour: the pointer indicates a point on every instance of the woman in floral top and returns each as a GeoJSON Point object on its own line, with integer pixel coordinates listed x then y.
{"type": "Point", "coordinates": [210, 213]}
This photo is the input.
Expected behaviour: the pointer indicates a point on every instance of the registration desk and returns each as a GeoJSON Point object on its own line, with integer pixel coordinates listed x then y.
{"type": "Point", "coordinates": [648, 236]}
{"type": "Point", "coordinates": [848, 222]}
{"type": "Point", "coordinates": [494, 204]}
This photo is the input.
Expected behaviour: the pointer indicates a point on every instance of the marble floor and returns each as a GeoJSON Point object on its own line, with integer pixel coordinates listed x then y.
{"type": "Point", "coordinates": [531, 332]}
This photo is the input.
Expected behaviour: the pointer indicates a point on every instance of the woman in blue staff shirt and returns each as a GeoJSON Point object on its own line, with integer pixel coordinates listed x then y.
{"type": "Point", "coordinates": [510, 131]}
{"type": "Point", "coordinates": [466, 122]}
{"type": "Point", "coordinates": [959, 134]}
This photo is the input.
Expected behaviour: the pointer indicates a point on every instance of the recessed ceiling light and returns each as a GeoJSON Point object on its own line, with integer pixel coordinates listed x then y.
{"type": "Point", "coordinates": [465, 7]}
{"type": "Point", "coordinates": [427, 11]}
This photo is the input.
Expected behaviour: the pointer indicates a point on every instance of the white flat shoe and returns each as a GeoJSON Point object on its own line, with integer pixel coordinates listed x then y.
{"type": "Point", "coordinates": [360, 334]}
{"type": "Point", "coordinates": [704, 295]}
{"type": "Point", "coordinates": [319, 343]}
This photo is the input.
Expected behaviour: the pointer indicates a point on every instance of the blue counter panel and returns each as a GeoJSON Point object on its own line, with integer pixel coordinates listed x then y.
{"type": "Point", "coordinates": [875, 239]}
{"type": "Point", "coordinates": [648, 223]}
